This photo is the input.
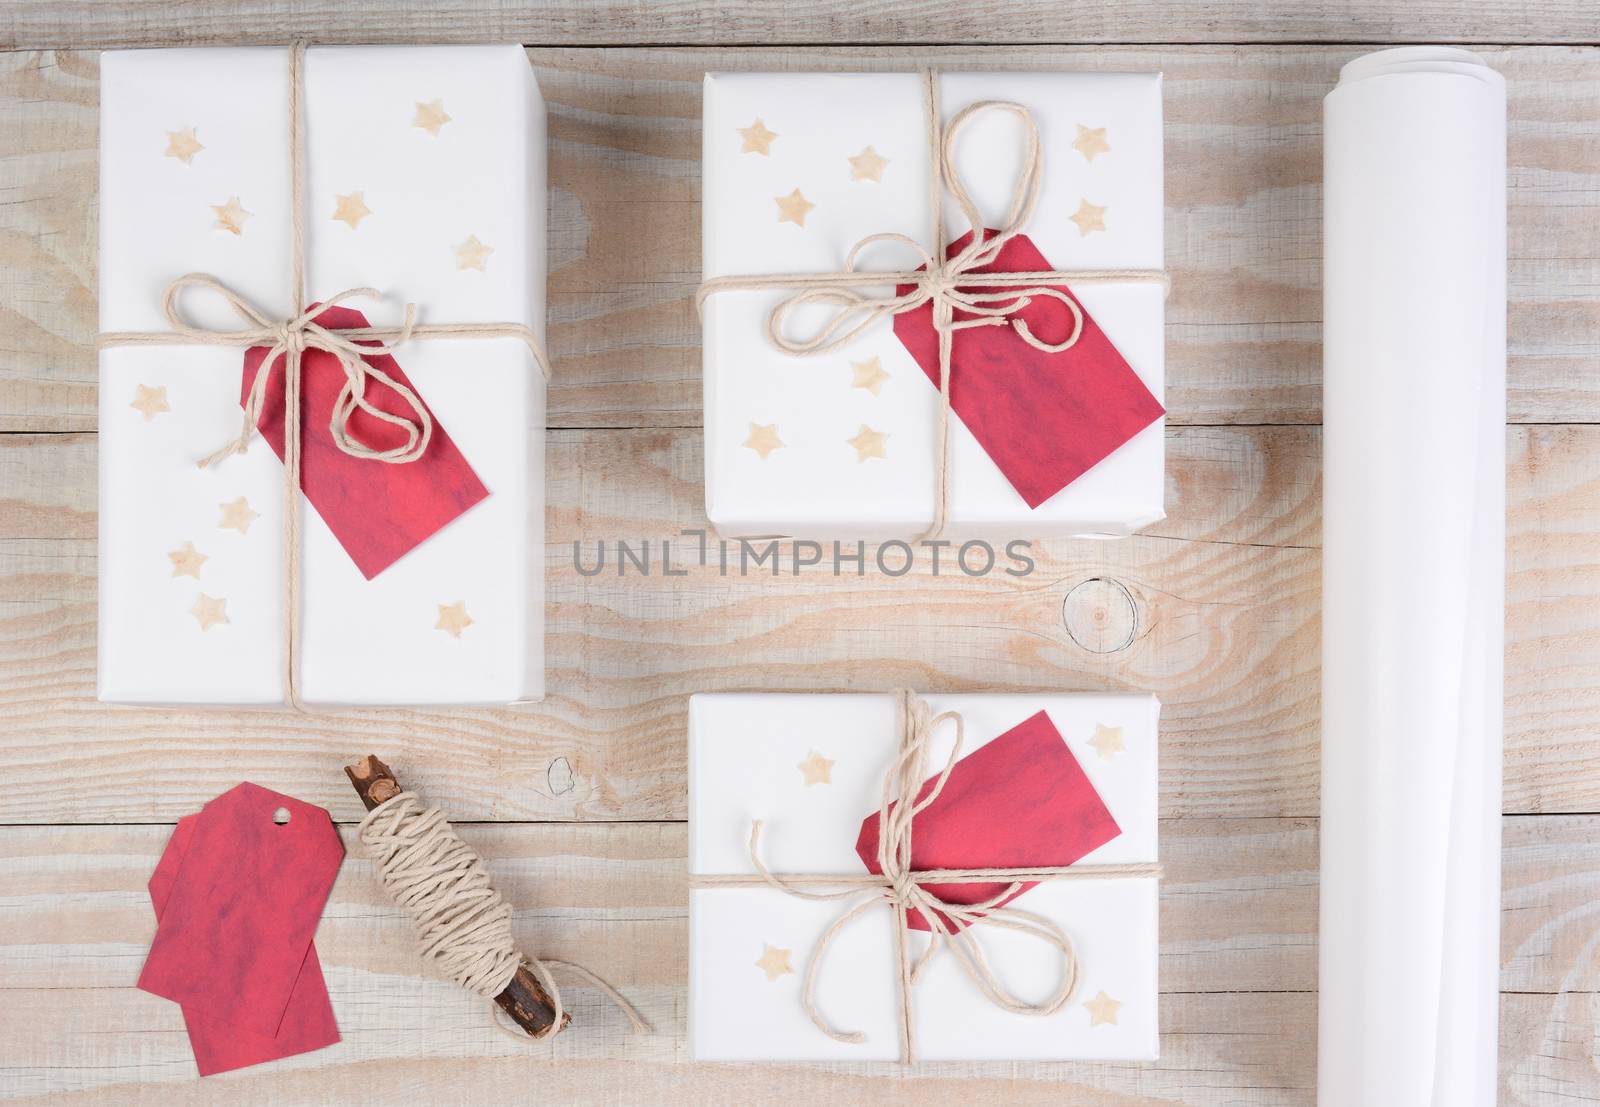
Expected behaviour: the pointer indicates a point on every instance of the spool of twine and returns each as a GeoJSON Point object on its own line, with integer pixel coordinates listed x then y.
{"type": "Point", "coordinates": [462, 922]}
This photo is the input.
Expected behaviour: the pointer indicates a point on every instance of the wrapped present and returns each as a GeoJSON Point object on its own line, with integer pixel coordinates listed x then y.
{"type": "Point", "coordinates": [1009, 913]}
{"type": "Point", "coordinates": [377, 250]}
{"type": "Point", "coordinates": [933, 304]}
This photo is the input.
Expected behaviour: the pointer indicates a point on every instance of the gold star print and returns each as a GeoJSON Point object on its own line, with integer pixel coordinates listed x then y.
{"type": "Point", "coordinates": [1091, 142]}
{"type": "Point", "coordinates": [764, 439]}
{"type": "Point", "coordinates": [237, 516]}
{"type": "Point", "coordinates": [150, 402]}
{"type": "Point", "coordinates": [1089, 217]}
{"type": "Point", "coordinates": [1107, 741]}
{"type": "Point", "coordinates": [867, 165]}
{"type": "Point", "coordinates": [473, 254]}
{"type": "Point", "coordinates": [186, 561]}
{"type": "Point", "coordinates": [793, 208]}
{"type": "Point", "coordinates": [1103, 1010]}
{"type": "Point", "coordinates": [774, 962]}
{"type": "Point", "coordinates": [183, 145]}
{"type": "Point", "coordinates": [868, 443]}
{"type": "Point", "coordinates": [430, 116]}
{"type": "Point", "coordinates": [453, 618]}
{"type": "Point", "coordinates": [231, 216]}
{"type": "Point", "coordinates": [208, 611]}
{"type": "Point", "coordinates": [868, 374]}
{"type": "Point", "coordinates": [816, 769]}
{"type": "Point", "coordinates": [757, 139]}
{"type": "Point", "coordinates": [351, 209]}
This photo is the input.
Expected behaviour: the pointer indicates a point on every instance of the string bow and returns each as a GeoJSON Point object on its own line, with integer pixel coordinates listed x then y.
{"type": "Point", "coordinates": [290, 339]}
{"type": "Point", "coordinates": [950, 283]}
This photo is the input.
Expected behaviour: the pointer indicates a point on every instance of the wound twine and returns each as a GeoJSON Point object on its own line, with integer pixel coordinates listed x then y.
{"type": "Point", "coordinates": [899, 888]}
{"type": "Point", "coordinates": [290, 339]}
{"type": "Point", "coordinates": [945, 282]}
{"type": "Point", "coordinates": [463, 924]}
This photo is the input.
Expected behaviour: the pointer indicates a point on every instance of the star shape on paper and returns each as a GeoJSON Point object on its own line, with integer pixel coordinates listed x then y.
{"type": "Point", "coordinates": [764, 439]}
{"type": "Point", "coordinates": [868, 443]}
{"type": "Point", "coordinates": [430, 116]}
{"type": "Point", "coordinates": [351, 209]}
{"type": "Point", "coordinates": [1089, 217]}
{"type": "Point", "coordinates": [868, 374]}
{"type": "Point", "coordinates": [1091, 142]}
{"type": "Point", "coordinates": [183, 145]}
{"type": "Point", "coordinates": [757, 139]}
{"type": "Point", "coordinates": [237, 516]}
{"type": "Point", "coordinates": [150, 402]}
{"type": "Point", "coordinates": [453, 618]}
{"type": "Point", "coordinates": [208, 611]}
{"type": "Point", "coordinates": [774, 962]}
{"type": "Point", "coordinates": [186, 561]}
{"type": "Point", "coordinates": [793, 208]}
{"type": "Point", "coordinates": [867, 165]}
{"type": "Point", "coordinates": [231, 216]}
{"type": "Point", "coordinates": [473, 254]}
{"type": "Point", "coordinates": [1103, 1010]}
{"type": "Point", "coordinates": [816, 769]}
{"type": "Point", "coordinates": [1107, 741]}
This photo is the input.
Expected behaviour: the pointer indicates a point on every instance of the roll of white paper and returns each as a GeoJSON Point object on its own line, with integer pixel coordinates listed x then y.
{"type": "Point", "coordinates": [1413, 579]}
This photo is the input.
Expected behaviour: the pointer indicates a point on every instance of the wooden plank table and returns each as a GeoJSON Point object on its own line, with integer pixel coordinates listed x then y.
{"type": "Point", "coordinates": [579, 803]}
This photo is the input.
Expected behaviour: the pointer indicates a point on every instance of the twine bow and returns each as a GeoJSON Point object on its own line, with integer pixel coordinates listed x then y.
{"type": "Point", "coordinates": [290, 339]}
{"type": "Point", "coordinates": [962, 297]}
{"type": "Point", "coordinates": [900, 888]}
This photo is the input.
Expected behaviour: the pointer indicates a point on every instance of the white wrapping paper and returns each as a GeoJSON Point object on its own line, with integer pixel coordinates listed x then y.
{"type": "Point", "coordinates": [1413, 572]}
{"type": "Point", "coordinates": [482, 174]}
{"type": "Point", "coordinates": [815, 486]}
{"type": "Point", "coordinates": [744, 752]}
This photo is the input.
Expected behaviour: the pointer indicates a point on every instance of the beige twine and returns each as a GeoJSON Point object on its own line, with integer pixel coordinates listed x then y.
{"type": "Point", "coordinates": [463, 925]}
{"type": "Point", "coordinates": [941, 279]}
{"type": "Point", "coordinates": [899, 887]}
{"type": "Point", "coordinates": [290, 339]}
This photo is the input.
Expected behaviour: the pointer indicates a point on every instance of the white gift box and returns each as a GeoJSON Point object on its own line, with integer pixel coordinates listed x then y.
{"type": "Point", "coordinates": [446, 148]}
{"type": "Point", "coordinates": [813, 485]}
{"type": "Point", "coordinates": [745, 758]}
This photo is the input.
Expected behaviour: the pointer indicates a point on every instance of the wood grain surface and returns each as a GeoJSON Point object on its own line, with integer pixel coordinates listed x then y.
{"type": "Point", "coordinates": [33, 24]}
{"type": "Point", "coordinates": [579, 801]}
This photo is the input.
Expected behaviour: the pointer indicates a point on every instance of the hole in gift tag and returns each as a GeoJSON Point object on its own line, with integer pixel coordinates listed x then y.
{"type": "Point", "coordinates": [281, 816]}
{"type": "Point", "coordinates": [1101, 615]}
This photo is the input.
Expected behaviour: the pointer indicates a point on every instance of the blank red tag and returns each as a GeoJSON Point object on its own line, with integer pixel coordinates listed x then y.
{"type": "Point", "coordinates": [1021, 801]}
{"type": "Point", "coordinates": [243, 907]}
{"type": "Point", "coordinates": [308, 1021]}
{"type": "Point", "coordinates": [378, 512]}
{"type": "Point", "coordinates": [1044, 419]}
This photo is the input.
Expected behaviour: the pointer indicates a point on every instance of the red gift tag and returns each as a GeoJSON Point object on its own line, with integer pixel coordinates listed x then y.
{"type": "Point", "coordinates": [1044, 419]}
{"type": "Point", "coordinates": [378, 512]}
{"type": "Point", "coordinates": [308, 1022]}
{"type": "Point", "coordinates": [241, 912]}
{"type": "Point", "coordinates": [1021, 801]}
